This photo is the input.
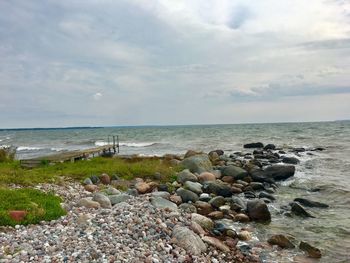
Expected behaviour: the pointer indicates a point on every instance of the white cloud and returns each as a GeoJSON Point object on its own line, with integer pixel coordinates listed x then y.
{"type": "Point", "coordinates": [97, 96]}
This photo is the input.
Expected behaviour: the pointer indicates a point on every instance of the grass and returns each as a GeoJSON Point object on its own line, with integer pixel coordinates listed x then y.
{"type": "Point", "coordinates": [39, 206]}
{"type": "Point", "coordinates": [12, 173]}
{"type": "Point", "coordinates": [7, 154]}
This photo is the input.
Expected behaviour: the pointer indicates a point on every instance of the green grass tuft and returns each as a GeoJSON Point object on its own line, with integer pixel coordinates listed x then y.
{"type": "Point", "coordinates": [12, 173]}
{"type": "Point", "coordinates": [39, 206]}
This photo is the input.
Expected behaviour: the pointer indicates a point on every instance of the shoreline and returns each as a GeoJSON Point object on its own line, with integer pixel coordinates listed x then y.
{"type": "Point", "coordinates": [217, 189]}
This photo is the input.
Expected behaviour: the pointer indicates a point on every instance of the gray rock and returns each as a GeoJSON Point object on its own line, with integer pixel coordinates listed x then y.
{"type": "Point", "coordinates": [188, 240]}
{"type": "Point", "coordinates": [218, 188]}
{"type": "Point", "coordinates": [162, 203]}
{"type": "Point", "coordinates": [187, 195]}
{"type": "Point", "coordinates": [299, 210]}
{"type": "Point", "coordinates": [203, 221]}
{"type": "Point", "coordinates": [204, 197]}
{"type": "Point", "coordinates": [162, 194]}
{"type": "Point", "coordinates": [258, 211]}
{"type": "Point", "coordinates": [132, 192]}
{"type": "Point", "coordinates": [256, 186]}
{"type": "Point", "coordinates": [254, 145]}
{"type": "Point", "coordinates": [290, 160]}
{"type": "Point", "coordinates": [310, 203]}
{"type": "Point", "coordinates": [198, 163]}
{"type": "Point", "coordinates": [236, 172]}
{"type": "Point", "coordinates": [217, 201]}
{"type": "Point", "coordinates": [238, 204]}
{"type": "Point", "coordinates": [116, 199]}
{"type": "Point", "coordinates": [194, 187]}
{"type": "Point", "coordinates": [186, 175]}
{"type": "Point", "coordinates": [188, 208]}
{"type": "Point", "coordinates": [102, 199]}
{"type": "Point", "coordinates": [266, 195]}
{"type": "Point", "coordinates": [273, 172]}
{"type": "Point", "coordinates": [88, 203]}
{"type": "Point", "coordinates": [87, 181]}
{"type": "Point", "coordinates": [112, 191]}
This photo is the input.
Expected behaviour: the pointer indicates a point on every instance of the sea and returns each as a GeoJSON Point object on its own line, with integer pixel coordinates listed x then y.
{"type": "Point", "coordinates": [323, 176]}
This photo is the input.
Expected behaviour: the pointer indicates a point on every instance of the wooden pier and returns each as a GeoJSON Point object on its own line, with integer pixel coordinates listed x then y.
{"type": "Point", "coordinates": [71, 156]}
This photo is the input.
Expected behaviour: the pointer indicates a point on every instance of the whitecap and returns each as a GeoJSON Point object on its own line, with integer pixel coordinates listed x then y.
{"type": "Point", "coordinates": [137, 144]}
{"type": "Point", "coordinates": [27, 148]}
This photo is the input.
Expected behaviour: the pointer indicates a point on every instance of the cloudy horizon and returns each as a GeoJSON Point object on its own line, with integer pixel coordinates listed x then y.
{"type": "Point", "coordinates": [161, 62]}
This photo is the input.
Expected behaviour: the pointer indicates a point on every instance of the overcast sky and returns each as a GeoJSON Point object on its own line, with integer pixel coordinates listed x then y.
{"type": "Point", "coordinates": [137, 62]}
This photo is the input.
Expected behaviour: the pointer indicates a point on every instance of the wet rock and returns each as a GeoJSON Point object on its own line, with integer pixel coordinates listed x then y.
{"type": "Point", "coordinates": [103, 200]}
{"type": "Point", "coordinates": [242, 218]}
{"type": "Point", "coordinates": [225, 209]}
{"type": "Point", "coordinates": [254, 145]}
{"type": "Point", "coordinates": [186, 175]}
{"type": "Point", "coordinates": [266, 195]}
{"type": "Point", "coordinates": [234, 171]}
{"type": "Point", "coordinates": [273, 172]}
{"type": "Point", "coordinates": [290, 160]}
{"type": "Point", "coordinates": [219, 152]}
{"type": "Point", "coordinates": [214, 157]}
{"type": "Point", "coordinates": [162, 203]}
{"type": "Point", "coordinates": [281, 241]}
{"type": "Point", "coordinates": [311, 250]}
{"type": "Point", "coordinates": [204, 222]}
{"type": "Point", "coordinates": [206, 176]}
{"type": "Point", "coordinates": [257, 186]}
{"type": "Point", "coordinates": [203, 208]}
{"type": "Point", "coordinates": [270, 146]}
{"type": "Point", "coordinates": [299, 150]}
{"type": "Point", "coordinates": [105, 179]}
{"type": "Point", "coordinates": [194, 187]}
{"type": "Point", "coordinates": [217, 201]}
{"type": "Point", "coordinates": [218, 188]}
{"type": "Point", "coordinates": [299, 210]}
{"type": "Point", "coordinates": [310, 203]}
{"type": "Point", "coordinates": [244, 235]}
{"type": "Point", "coordinates": [216, 243]}
{"type": "Point", "coordinates": [188, 240]}
{"type": "Point", "coordinates": [258, 211]}
{"type": "Point", "coordinates": [191, 153]}
{"type": "Point", "coordinates": [197, 163]}
{"type": "Point", "coordinates": [249, 195]}
{"type": "Point", "coordinates": [238, 204]}
{"type": "Point", "coordinates": [116, 199]}
{"type": "Point", "coordinates": [204, 197]}
{"type": "Point", "coordinates": [236, 190]}
{"type": "Point", "coordinates": [187, 195]}
{"type": "Point", "coordinates": [228, 179]}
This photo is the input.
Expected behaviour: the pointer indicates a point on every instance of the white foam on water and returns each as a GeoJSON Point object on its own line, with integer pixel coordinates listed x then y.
{"type": "Point", "coordinates": [27, 148]}
{"type": "Point", "coordinates": [127, 144]}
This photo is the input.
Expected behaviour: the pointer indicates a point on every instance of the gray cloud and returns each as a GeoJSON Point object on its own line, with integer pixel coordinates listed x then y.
{"type": "Point", "coordinates": [161, 62]}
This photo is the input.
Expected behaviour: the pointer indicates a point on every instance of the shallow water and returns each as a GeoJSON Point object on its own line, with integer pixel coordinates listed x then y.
{"type": "Point", "coordinates": [327, 170]}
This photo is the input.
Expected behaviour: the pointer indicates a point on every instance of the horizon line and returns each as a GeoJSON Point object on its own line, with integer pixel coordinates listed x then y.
{"type": "Point", "coordinates": [162, 125]}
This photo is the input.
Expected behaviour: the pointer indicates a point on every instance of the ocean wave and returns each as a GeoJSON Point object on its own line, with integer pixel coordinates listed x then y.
{"type": "Point", "coordinates": [5, 146]}
{"type": "Point", "coordinates": [27, 148]}
{"type": "Point", "coordinates": [128, 144]}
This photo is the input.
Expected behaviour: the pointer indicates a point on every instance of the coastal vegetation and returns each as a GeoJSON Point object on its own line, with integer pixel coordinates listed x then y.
{"type": "Point", "coordinates": [38, 206]}
{"type": "Point", "coordinates": [11, 172]}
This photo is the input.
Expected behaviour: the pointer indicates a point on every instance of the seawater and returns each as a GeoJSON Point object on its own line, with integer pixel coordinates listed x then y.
{"type": "Point", "coordinates": [329, 170]}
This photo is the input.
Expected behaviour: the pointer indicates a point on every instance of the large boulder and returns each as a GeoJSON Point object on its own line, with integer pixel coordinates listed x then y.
{"type": "Point", "coordinates": [194, 187]}
{"type": "Point", "coordinates": [273, 173]}
{"type": "Point", "coordinates": [312, 251]}
{"type": "Point", "coordinates": [187, 195]}
{"type": "Point", "coordinates": [205, 222]}
{"type": "Point", "coordinates": [254, 145]}
{"type": "Point", "coordinates": [258, 211]}
{"type": "Point", "coordinates": [197, 163]}
{"type": "Point", "coordinates": [162, 203]}
{"type": "Point", "coordinates": [218, 188]}
{"type": "Point", "coordinates": [234, 171]}
{"type": "Point", "coordinates": [102, 199]}
{"type": "Point", "coordinates": [185, 176]}
{"type": "Point", "coordinates": [188, 240]}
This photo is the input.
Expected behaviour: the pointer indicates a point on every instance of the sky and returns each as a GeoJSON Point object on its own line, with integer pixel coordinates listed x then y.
{"type": "Point", "coordinates": [160, 62]}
